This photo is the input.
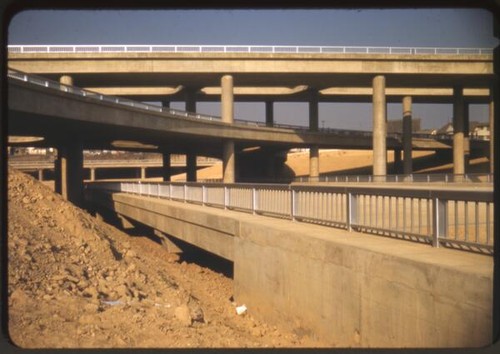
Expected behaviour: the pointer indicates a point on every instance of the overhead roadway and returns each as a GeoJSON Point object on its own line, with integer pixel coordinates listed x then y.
{"type": "Point", "coordinates": [264, 77]}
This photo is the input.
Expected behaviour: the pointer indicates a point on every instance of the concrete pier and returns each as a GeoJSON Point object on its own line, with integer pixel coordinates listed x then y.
{"type": "Point", "coordinates": [191, 167]}
{"type": "Point", "coordinates": [491, 114]}
{"type": "Point", "coordinates": [407, 136]}
{"type": "Point", "coordinates": [269, 113]}
{"type": "Point", "coordinates": [190, 94]}
{"type": "Point", "coordinates": [71, 171]}
{"type": "Point", "coordinates": [66, 80]}
{"type": "Point", "coordinates": [313, 110]}
{"type": "Point", "coordinates": [379, 128]}
{"type": "Point", "coordinates": [458, 131]}
{"type": "Point", "coordinates": [227, 111]}
{"type": "Point", "coordinates": [228, 163]}
{"type": "Point", "coordinates": [313, 164]}
{"type": "Point", "coordinates": [166, 169]}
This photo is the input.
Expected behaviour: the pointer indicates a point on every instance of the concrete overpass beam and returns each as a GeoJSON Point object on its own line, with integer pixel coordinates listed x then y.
{"type": "Point", "coordinates": [458, 131]}
{"type": "Point", "coordinates": [269, 113]}
{"type": "Point", "coordinates": [379, 127]}
{"type": "Point", "coordinates": [313, 164]}
{"type": "Point", "coordinates": [228, 162]}
{"type": "Point", "coordinates": [166, 169]}
{"type": "Point", "coordinates": [313, 110]}
{"type": "Point", "coordinates": [407, 136]}
{"type": "Point", "coordinates": [191, 167]}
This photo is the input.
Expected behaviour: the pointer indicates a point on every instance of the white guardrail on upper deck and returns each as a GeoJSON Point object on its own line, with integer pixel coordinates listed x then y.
{"type": "Point", "coordinates": [132, 48]}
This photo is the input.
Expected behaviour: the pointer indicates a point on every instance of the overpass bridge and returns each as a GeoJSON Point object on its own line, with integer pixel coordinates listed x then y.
{"type": "Point", "coordinates": [311, 74]}
{"type": "Point", "coordinates": [134, 164]}
{"type": "Point", "coordinates": [305, 256]}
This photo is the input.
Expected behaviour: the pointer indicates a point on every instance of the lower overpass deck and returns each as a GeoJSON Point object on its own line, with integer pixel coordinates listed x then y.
{"type": "Point", "coordinates": [347, 288]}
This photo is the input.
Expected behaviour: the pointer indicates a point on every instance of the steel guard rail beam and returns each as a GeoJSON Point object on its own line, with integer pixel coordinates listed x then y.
{"type": "Point", "coordinates": [458, 219]}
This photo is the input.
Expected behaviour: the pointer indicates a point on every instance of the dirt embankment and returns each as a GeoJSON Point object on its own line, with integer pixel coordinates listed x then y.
{"type": "Point", "coordinates": [75, 281]}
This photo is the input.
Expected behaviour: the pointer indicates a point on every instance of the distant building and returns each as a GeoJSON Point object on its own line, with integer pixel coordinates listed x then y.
{"type": "Point", "coordinates": [477, 130]}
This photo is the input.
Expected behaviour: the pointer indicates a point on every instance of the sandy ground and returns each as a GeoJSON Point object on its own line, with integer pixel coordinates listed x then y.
{"type": "Point", "coordinates": [75, 281]}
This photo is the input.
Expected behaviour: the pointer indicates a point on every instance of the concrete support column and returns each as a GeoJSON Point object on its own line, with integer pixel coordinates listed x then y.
{"type": "Point", "coordinates": [227, 99]}
{"type": "Point", "coordinates": [191, 167]}
{"type": "Point", "coordinates": [313, 110]}
{"type": "Point", "coordinates": [40, 174]}
{"type": "Point", "coordinates": [66, 80]}
{"type": "Point", "coordinates": [190, 99]}
{"type": "Point", "coordinates": [313, 164]}
{"type": "Point", "coordinates": [466, 138]}
{"type": "Point", "coordinates": [92, 174]}
{"type": "Point", "coordinates": [57, 172]}
{"type": "Point", "coordinates": [269, 113]}
{"type": "Point", "coordinates": [407, 136]}
{"type": "Point", "coordinates": [71, 171]}
{"type": "Point", "coordinates": [166, 169]}
{"type": "Point", "coordinates": [397, 162]}
{"type": "Point", "coordinates": [143, 172]}
{"type": "Point", "coordinates": [227, 110]}
{"type": "Point", "coordinates": [492, 133]}
{"type": "Point", "coordinates": [379, 127]}
{"type": "Point", "coordinates": [228, 162]}
{"type": "Point", "coordinates": [458, 131]}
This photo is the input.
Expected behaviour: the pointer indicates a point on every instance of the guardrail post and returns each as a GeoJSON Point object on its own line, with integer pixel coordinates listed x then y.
{"type": "Point", "coordinates": [351, 208]}
{"type": "Point", "coordinates": [439, 220]}
{"type": "Point", "coordinates": [254, 201]}
{"type": "Point", "coordinates": [293, 204]}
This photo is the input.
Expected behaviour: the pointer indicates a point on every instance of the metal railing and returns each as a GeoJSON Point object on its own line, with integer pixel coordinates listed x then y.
{"type": "Point", "coordinates": [461, 219]}
{"type": "Point", "coordinates": [411, 178]}
{"type": "Point", "coordinates": [184, 48]}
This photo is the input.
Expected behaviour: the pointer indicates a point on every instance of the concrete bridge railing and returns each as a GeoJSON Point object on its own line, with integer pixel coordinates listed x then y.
{"type": "Point", "coordinates": [455, 218]}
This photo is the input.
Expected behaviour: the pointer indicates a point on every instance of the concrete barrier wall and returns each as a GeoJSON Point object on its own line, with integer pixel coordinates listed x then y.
{"type": "Point", "coordinates": [346, 289]}
{"type": "Point", "coordinates": [367, 291]}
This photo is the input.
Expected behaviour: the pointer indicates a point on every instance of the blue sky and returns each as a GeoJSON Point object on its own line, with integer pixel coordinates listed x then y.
{"type": "Point", "coordinates": [402, 27]}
